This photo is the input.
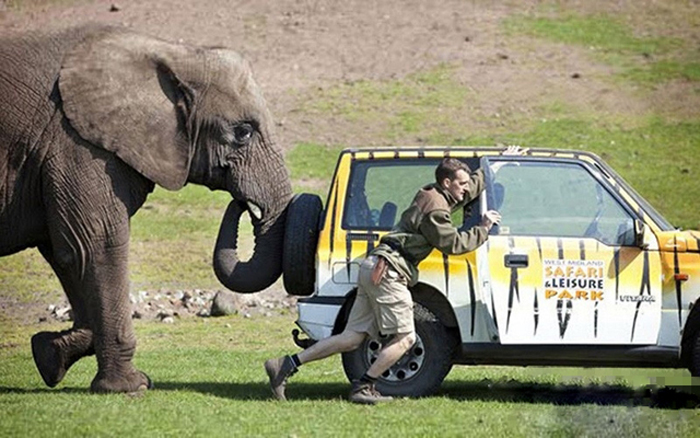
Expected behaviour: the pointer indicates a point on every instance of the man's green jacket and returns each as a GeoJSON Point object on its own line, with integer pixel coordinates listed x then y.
{"type": "Point", "coordinates": [426, 224]}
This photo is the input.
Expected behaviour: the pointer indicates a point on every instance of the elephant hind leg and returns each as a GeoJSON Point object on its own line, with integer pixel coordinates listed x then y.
{"type": "Point", "coordinates": [55, 352]}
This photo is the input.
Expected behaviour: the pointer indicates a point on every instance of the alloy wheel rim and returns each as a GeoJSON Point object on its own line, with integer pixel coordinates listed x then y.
{"type": "Point", "coordinates": [405, 368]}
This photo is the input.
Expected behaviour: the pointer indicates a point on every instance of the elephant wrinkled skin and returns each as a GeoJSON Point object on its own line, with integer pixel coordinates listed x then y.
{"type": "Point", "coordinates": [90, 120]}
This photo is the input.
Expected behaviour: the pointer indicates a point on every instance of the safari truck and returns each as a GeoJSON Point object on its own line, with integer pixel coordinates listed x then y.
{"type": "Point", "coordinates": [582, 271]}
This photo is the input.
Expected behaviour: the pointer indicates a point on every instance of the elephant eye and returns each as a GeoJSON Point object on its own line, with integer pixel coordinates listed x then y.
{"type": "Point", "coordinates": [242, 133]}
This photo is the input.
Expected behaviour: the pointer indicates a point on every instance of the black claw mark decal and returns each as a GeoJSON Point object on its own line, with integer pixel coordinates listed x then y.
{"type": "Point", "coordinates": [513, 276]}
{"type": "Point", "coordinates": [493, 307]}
{"type": "Point", "coordinates": [560, 247]}
{"type": "Point", "coordinates": [446, 266]}
{"type": "Point", "coordinates": [472, 295]}
{"type": "Point", "coordinates": [676, 270]}
{"type": "Point", "coordinates": [564, 315]}
{"type": "Point", "coordinates": [514, 289]}
{"type": "Point", "coordinates": [539, 247]}
{"type": "Point", "coordinates": [536, 312]}
{"type": "Point", "coordinates": [595, 320]}
{"type": "Point", "coordinates": [645, 286]}
{"type": "Point", "coordinates": [616, 259]}
{"type": "Point", "coordinates": [582, 248]}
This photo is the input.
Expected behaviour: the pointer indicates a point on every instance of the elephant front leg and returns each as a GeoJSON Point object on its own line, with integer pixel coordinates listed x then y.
{"type": "Point", "coordinates": [114, 340]}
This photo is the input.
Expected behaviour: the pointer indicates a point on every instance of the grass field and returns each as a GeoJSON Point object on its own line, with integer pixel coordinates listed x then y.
{"type": "Point", "coordinates": [210, 382]}
{"type": "Point", "coordinates": [208, 372]}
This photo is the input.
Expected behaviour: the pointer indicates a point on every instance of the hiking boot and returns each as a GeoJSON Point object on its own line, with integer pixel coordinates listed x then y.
{"type": "Point", "coordinates": [279, 370]}
{"type": "Point", "coordinates": [366, 394]}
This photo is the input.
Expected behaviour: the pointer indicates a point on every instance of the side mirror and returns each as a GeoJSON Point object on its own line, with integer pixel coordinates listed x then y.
{"type": "Point", "coordinates": [639, 229]}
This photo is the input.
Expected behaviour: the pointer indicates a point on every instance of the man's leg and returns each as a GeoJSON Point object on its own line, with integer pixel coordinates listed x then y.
{"type": "Point", "coordinates": [391, 353]}
{"type": "Point", "coordinates": [280, 369]}
{"type": "Point", "coordinates": [361, 322]}
{"type": "Point", "coordinates": [348, 340]}
{"type": "Point", "coordinates": [393, 309]}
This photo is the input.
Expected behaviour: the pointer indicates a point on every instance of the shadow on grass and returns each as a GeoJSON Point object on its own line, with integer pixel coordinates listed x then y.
{"type": "Point", "coordinates": [259, 390]}
{"type": "Point", "coordinates": [664, 397]}
{"type": "Point", "coordinates": [232, 390]}
{"type": "Point", "coordinates": [71, 390]}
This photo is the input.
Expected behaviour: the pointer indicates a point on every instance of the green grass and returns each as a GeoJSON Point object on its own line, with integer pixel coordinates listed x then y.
{"type": "Point", "coordinates": [20, 5]}
{"type": "Point", "coordinates": [404, 106]}
{"type": "Point", "coordinates": [311, 167]}
{"type": "Point", "coordinates": [642, 59]}
{"type": "Point", "coordinates": [210, 382]}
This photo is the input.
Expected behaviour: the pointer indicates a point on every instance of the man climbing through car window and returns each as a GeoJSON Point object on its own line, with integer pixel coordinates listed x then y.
{"type": "Point", "coordinates": [383, 303]}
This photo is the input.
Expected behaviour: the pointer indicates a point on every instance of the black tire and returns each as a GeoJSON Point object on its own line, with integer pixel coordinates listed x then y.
{"type": "Point", "coordinates": [694, 367]}
{"type": "Point", "coordinates": [300, 240]}
{"type": "Point", "coordinates": [421, 370]}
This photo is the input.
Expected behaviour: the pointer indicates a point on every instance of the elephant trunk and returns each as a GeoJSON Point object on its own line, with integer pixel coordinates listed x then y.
{"type": "Point", "coordinates": [265, 265]}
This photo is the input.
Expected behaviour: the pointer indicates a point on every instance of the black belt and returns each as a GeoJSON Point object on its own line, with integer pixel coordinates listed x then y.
{"type": "Point", "coordinates": [395, 246]}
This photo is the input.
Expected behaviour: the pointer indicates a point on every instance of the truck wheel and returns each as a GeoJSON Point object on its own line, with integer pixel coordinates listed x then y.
{"type": "Point", "coordinates": [300, 240]}
{"type": "Point", "coordinates": [695, 357]}
{"type": "Point", "coordinates": [421, 370]}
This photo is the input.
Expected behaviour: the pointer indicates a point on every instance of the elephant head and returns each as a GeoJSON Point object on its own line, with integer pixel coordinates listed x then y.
{"type": "Point", "coordinates": [180, 114]}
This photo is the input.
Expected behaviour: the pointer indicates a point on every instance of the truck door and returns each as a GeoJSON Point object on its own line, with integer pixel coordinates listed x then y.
{"type": "Point", "coordinates": [562, 267]}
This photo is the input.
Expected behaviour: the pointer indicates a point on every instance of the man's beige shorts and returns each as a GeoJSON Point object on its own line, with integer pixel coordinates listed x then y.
{"type": "Point", "coordinates": [386, 308]}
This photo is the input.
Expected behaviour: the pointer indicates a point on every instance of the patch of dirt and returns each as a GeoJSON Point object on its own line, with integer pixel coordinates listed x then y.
{"type": "Point", "coordinates": [162, 305]}
{"type": "Point", "coordinates": [300, 45]}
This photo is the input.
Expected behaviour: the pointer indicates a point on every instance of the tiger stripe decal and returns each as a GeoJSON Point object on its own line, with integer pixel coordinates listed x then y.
{"type": "Point", "coordinates": [645, 285]}
{"type": "Point", "coordinates": [446, 268]}
{"type": "Point", "coordinates": [676, 270]}
{"type": "Point", "coordinates": [472, 296]}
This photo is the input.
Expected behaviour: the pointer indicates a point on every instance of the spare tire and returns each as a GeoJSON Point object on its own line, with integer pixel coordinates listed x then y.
{"type": "Point", "coordinates": [300, 240]}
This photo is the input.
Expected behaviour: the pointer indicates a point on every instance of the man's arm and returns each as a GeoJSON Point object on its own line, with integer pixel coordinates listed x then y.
{"type": "Point", "coordinates": [438, 230]}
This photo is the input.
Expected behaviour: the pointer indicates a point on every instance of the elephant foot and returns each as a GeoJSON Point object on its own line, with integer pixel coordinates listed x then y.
{"type": "Point", "coordinates": [48, 357]}
{"type": "Point", "coordinates": [134, 381]}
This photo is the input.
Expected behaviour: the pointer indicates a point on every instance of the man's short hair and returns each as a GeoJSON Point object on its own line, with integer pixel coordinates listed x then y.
{"type": "Point", "coordinates": [448, 168]}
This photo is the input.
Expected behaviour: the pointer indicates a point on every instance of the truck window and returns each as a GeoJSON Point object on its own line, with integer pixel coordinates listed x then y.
{"type": "Point", "coordinates": [559, 199]}
{"type": "Point", "coordinates": [379, 191]}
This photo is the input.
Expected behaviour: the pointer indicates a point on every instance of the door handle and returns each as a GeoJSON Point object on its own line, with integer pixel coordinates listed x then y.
{"type": "Point", "coordinates": [516, 260]}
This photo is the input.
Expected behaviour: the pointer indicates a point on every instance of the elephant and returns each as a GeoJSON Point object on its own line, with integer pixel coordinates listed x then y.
{"type": "Point", "coordinates": [91, 119]}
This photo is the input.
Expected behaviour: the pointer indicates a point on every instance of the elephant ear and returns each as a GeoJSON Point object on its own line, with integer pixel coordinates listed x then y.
{"type": "Point", "coordinates": [120, 92]}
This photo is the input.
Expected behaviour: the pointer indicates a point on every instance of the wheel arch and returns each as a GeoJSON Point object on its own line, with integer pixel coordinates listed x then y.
{"type": "Point", "coordinates": [436, 302]}
{"type": "Point", "coordinates": [422, 293]}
